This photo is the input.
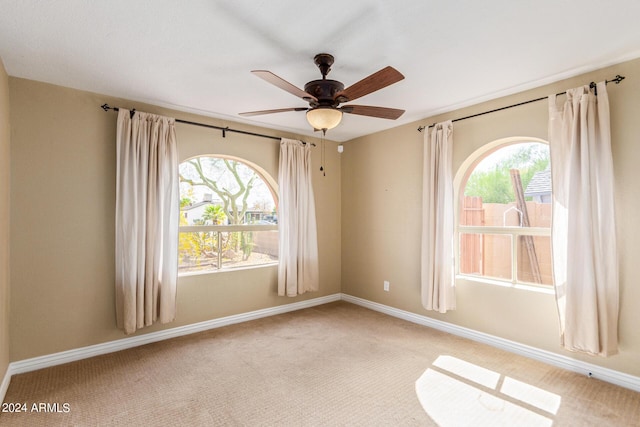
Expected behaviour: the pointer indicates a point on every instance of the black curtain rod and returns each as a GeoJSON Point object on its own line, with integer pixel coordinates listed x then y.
{"type": "Point", "coordinates": [617, 79]}
{"type": "Point", "coordinates": [224, 130]}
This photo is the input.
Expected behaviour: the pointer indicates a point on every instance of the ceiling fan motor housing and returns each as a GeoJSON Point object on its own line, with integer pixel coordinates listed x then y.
{"type": "Point", "coordinates": [325, 92]}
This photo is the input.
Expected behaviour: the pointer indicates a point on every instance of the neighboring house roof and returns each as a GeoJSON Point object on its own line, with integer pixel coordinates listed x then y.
{"type": "Point", "coordinates": [197, 205]}
{"type": "Point", "coordinates": [540, 184]}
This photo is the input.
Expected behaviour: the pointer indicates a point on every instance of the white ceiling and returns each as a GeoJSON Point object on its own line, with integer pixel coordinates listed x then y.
{"type": "Point", "coordinates": [197, 55]}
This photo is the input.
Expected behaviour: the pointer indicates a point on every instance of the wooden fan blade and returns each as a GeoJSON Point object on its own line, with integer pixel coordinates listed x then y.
{"type": "Point", "coordinates": [269, 77]}
{"type": "Point", "coordinates": [367, 110]}
{"type": "Point", "coordinates": [280, 110]}
{"type": "Point", "coordinates": [376, 81]}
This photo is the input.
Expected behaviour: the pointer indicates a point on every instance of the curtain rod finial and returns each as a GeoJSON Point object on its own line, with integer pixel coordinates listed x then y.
{"type": "Point", "coordinates": [105, 107]}
{"type": "Point", "coordinates": [618, 78]}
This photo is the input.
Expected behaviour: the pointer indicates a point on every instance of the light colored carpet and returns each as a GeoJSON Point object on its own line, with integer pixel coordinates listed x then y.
{"type": "Point", "coordinates": [333, 365]}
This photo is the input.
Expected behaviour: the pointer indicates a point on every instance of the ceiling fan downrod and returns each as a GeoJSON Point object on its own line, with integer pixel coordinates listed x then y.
{"type": "Point", "coordinates": [324, 61]}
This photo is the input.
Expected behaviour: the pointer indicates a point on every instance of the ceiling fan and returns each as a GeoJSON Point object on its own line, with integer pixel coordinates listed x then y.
{"type": "Point", "coordinates": [324, 96]}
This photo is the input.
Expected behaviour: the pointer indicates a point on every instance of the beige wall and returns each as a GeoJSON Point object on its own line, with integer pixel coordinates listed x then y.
{"type": "Point", "coordinates": [62, 207]}
{"type": "Point", "coordinates": [381, 214]}
{"type": "Point", "coordinates": [4, 220]}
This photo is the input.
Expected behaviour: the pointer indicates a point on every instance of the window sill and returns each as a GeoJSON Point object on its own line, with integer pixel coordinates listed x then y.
{"type": "Point", "coordinates": [543, 289]}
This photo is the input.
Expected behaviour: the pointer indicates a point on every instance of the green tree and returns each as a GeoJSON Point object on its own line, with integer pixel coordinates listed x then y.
{"type": "Point", "coordinates": [214, 214]}
{"type": "Point", "coordinates": [184, 202]}
{"type": "Point", "coordinates": [491, 179]}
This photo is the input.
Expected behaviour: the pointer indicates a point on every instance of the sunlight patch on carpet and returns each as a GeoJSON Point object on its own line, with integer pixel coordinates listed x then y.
{"type": "Point", "coordinates": [456, 392]}
{"type": "Point", "coordinates": [467, 370]}
{"type": "Point", "coordinates": [535, 396]}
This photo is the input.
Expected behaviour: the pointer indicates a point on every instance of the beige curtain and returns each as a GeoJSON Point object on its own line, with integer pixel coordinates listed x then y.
{"type": "Point", "coordinates": [147, 215]}
{"type": "Point", "coordinates": [298, 253]}
{"type": "Point", "coordinates": [585, 261]}
{"type": "Point", "coordinates": [438, 285]}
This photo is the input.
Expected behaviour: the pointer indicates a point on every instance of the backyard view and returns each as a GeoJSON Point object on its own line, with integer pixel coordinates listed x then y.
{"type": "Point", "coordinates": [505, 216]}
{"type": "Point", "coordinates": [227, 216]}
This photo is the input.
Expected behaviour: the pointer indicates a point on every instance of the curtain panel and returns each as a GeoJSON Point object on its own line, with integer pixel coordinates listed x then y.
{"type": "Point", "coordinates": [585, 261]}
{"type": "Point", "coordinates": [147, 215]}
{"type": "Point", "coordinates": [298, 252]}
{"type": "Point", "coordinates": [437, 274]}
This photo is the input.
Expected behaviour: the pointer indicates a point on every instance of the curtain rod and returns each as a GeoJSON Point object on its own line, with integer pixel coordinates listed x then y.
{"type": "Point", "coordinates": [617, 79]}
{"type": "Point", "coordinates": [224, 130]}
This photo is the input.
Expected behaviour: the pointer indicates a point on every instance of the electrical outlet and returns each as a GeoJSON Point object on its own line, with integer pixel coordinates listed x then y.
{"type": "Point", "coordinates": [386, 285]}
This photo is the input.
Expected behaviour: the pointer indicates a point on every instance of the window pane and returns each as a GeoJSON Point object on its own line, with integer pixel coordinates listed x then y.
{"type": "Point", "coordinates": [486, 255]}
{"type": "Point", "coordinates": [216, 190]}
{"type": "Point", "coordinates": [197, 252]}
{"type": "Point", "coordinates": [492, 179]}
{"type": "Point", "coordinates": [223, 191]}
{"type": "Point", "coordinates": [534, 260]}
{"type": "Point", "coordinates": [246, 248]}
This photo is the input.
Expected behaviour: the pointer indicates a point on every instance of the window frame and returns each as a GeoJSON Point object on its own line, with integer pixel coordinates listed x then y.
{"type": "Point", "coordinates": [460, 180]}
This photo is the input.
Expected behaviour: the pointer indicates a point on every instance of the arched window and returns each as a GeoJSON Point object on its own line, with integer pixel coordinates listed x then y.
{"type": "Point", "coordinates": [504, 214]}
{"type": "Point", "coordinates": [228, 215]}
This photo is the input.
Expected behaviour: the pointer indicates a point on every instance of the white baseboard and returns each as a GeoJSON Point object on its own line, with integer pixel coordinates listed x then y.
{"type": "Point", "coordinates": [49, 360]}
{"type": "Point", "coordinates": [588, 369]}
{"type": "Point", "coordinates": [5, 384]}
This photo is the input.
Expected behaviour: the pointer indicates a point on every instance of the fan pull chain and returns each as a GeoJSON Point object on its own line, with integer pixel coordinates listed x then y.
{"type": "Point", "coordinates": [322, 156]}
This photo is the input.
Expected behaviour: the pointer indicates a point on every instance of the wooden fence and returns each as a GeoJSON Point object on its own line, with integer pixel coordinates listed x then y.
{"type": "Point", "coordinates": [489, 255]}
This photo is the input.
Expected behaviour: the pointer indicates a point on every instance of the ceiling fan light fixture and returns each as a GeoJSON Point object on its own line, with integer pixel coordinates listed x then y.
{"type": "Point", "coordinates": [324, 118]}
